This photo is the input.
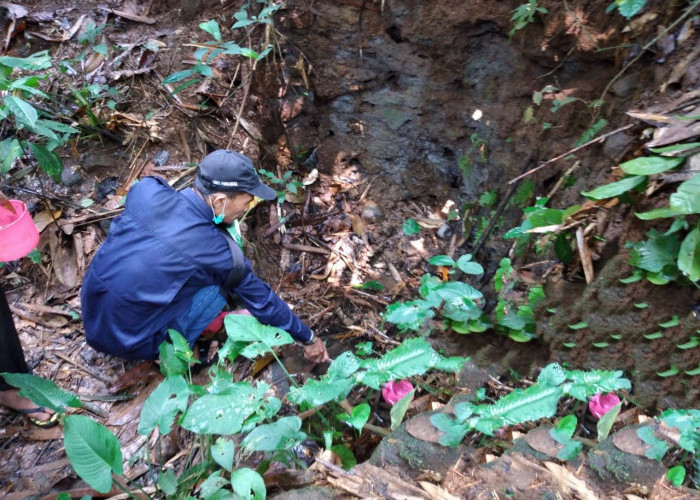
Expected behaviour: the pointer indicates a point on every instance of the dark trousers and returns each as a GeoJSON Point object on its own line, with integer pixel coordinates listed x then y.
{"type": "Point", "coordinates": [11, 355]}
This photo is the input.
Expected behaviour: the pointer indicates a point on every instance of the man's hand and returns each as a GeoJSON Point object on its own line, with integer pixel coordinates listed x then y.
{"type": "Point", "coordinates": [316, 352]}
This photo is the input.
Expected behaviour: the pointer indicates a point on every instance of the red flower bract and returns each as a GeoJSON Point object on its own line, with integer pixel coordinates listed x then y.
{"type": "Point", "coordinates": [395, 390]}
{"type": "Point", "coordinates": [600, 405]}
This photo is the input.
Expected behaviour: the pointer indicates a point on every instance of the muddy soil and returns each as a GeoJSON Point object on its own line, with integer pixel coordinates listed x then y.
{"type": "Point", "coordinates": [401, 107]}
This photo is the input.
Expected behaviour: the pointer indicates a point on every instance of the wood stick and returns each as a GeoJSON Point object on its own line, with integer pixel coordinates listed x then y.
{"type": "Point", "coordinates": [592, 141]}
{"type": "Point", "coordinates": [305, 248]}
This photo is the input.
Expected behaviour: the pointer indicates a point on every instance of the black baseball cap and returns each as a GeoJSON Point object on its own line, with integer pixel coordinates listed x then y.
{"type": "Point", "coordinates": [228, 171]}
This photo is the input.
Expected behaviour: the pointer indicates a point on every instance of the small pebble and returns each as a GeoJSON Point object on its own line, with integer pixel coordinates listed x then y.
{"type": "Point", "coordinates": [161, 158]}
{"type": "Point", "coordinates": [444, 232]}
{"type": "Point", "coordinates": [372, 213]}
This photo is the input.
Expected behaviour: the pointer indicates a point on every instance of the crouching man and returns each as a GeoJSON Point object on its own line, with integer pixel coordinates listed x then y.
{"type": "Point", "coordinates": [167, 263]}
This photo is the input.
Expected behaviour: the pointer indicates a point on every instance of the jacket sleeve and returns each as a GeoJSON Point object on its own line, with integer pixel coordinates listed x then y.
{"type": "Point", "coordinates": [268, 307]}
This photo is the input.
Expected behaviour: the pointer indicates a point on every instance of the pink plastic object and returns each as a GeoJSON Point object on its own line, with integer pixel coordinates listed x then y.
{"type": "Point", "coordinates": [393, 391]}
{"type": "Point", "coordinates": [18, 234]}
{"type": "Point", "coordinates": [600, 405]}
{"type": "Point", "coordinates": [218, 322]}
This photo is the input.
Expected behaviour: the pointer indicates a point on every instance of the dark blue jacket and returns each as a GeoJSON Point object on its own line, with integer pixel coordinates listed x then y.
{"type": "Point", "coordinates": [162, 250]}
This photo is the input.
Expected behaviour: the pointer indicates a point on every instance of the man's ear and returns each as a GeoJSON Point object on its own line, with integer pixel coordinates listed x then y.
{"type": "Point", "coordinates": [217, 200]}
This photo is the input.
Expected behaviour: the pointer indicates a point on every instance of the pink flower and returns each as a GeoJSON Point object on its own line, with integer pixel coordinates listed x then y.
{"type": "Point", "coordinates": [395, 390]}
{"type": "Point", "coordinates": [600, 405]}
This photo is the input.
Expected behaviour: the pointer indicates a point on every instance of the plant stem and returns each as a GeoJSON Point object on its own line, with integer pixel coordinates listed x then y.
{"type": "Point", "coordinates": [688, 11]}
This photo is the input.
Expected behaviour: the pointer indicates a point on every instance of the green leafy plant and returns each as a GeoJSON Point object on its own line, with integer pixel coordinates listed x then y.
{"type": "Point", "coordinates": [524, 15]}
{"type": "Point", "coordinates": [286, 183]}
{"type": "Point", "coordinates": [213, 48]}
{"type": "Point", "coordinates": [26, 109]}
{"type": "Point", "coordinates": [224, 407]}
{"type": "Point", "coordinates": [536, 402]}
{"type": "Point", "coordinates": [626, 8]}
{"type": "Point", "coordinates": [456, 301]}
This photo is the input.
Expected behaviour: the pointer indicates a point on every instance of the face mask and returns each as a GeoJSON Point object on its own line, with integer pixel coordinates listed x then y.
{"type": "Point", "coordinates": [217, 219]}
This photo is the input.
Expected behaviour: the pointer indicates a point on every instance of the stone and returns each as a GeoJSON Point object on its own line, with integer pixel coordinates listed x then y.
{"type": "Point", "coordinates": [616, 145]}
{"type": "Point", "coordinates": [372, 213]}
{"type": "Point", "coordinates": [626, 85]}
{"type": "Point", "coordinates": [70, 177]}
{"type": "Point", "coordinates": [619, 469]}
{"type": "Point", "coordinates": [444, 232]}
{"type": "Point", "coordinates": [161, 158]}
{"type": "Point", "coordinates": [405, 451]}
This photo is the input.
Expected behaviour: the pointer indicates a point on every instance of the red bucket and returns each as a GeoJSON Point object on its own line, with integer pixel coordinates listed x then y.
{"type": "Point", "coordinates": [18, 234]}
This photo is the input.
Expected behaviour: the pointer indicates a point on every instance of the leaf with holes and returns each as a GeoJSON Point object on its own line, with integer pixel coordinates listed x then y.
{"type": "Point", "coordinates": [241, 327]}
{"type": "Point", "coordinates": [280, 435]}
{"type": "Point", "coordinates": [161, 406]}
{"type": "Point", "coordinates": [222, 414]}
{"type": "Point", "coordinates": [247, 483]}
{"type": "Point", "coordinates": [222, 451]}
{"type": "Point", "coordinates": [629, 8]}
{"type": "Point", "coordinates": [318, 392]}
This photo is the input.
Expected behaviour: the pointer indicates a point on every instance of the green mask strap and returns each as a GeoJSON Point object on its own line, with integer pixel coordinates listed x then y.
{"type": "Point", "coordinates": [217, 219]}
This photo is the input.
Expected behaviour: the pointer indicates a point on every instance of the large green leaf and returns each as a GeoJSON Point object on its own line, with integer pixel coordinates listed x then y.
{"type": "Point", "coordinates": [93, 451]}
{"type": "Point", "coordinates": [457, 290]}
{"type": "Point", "coordinates": [648, 165]}
{"type": "Point", "coordinates": [318, 392]}
{"type": "Point", "coordinates": [10, 150]}
{"type": "Point", "coordinates": [414, 356]}
{"type": "Point", "coordinates": [343, 366]}
{"type": "Point", "coordinates": [222, 414]}
{"type": "Point", "coordinates": [546, 217]}
{"type": "Point", "coordinates": [519, 406]}
{"type": "Point", "coordinates": [42, 392]}
{"type": "Point", "coordinates": [247, 484]}
{"type": "Point", "coordinates": [162, 405]}
{"type": "Point", "coordinates": [408, 315]}
{"type": "Point", "coordinates": [657, 213]}
{"type": "Point", "coordinates": [170, 363]}
{"type": "Point", "coordinates": [686, 200]}
{"type": "Point", "coordinates": [25, 113]}
{"type": "Point", "coordinates": [48, 161]}
{"type": "Point", "coordinates": [241, 327]}
{"type": "Point", "coordinates": [280, 435]}
{"type": "Point", "coordinates": [615, 188]}
{"type": "Point", "coordinates": [689, 255]}
{"type": "Point", "coordinates": [37, 61]}
{"type": "Point", "coordinates": [655, 253]}
{"type": "Point", "coordinates": [583, 384]}
{"type": "Point", "coordinates": [629, 8]}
